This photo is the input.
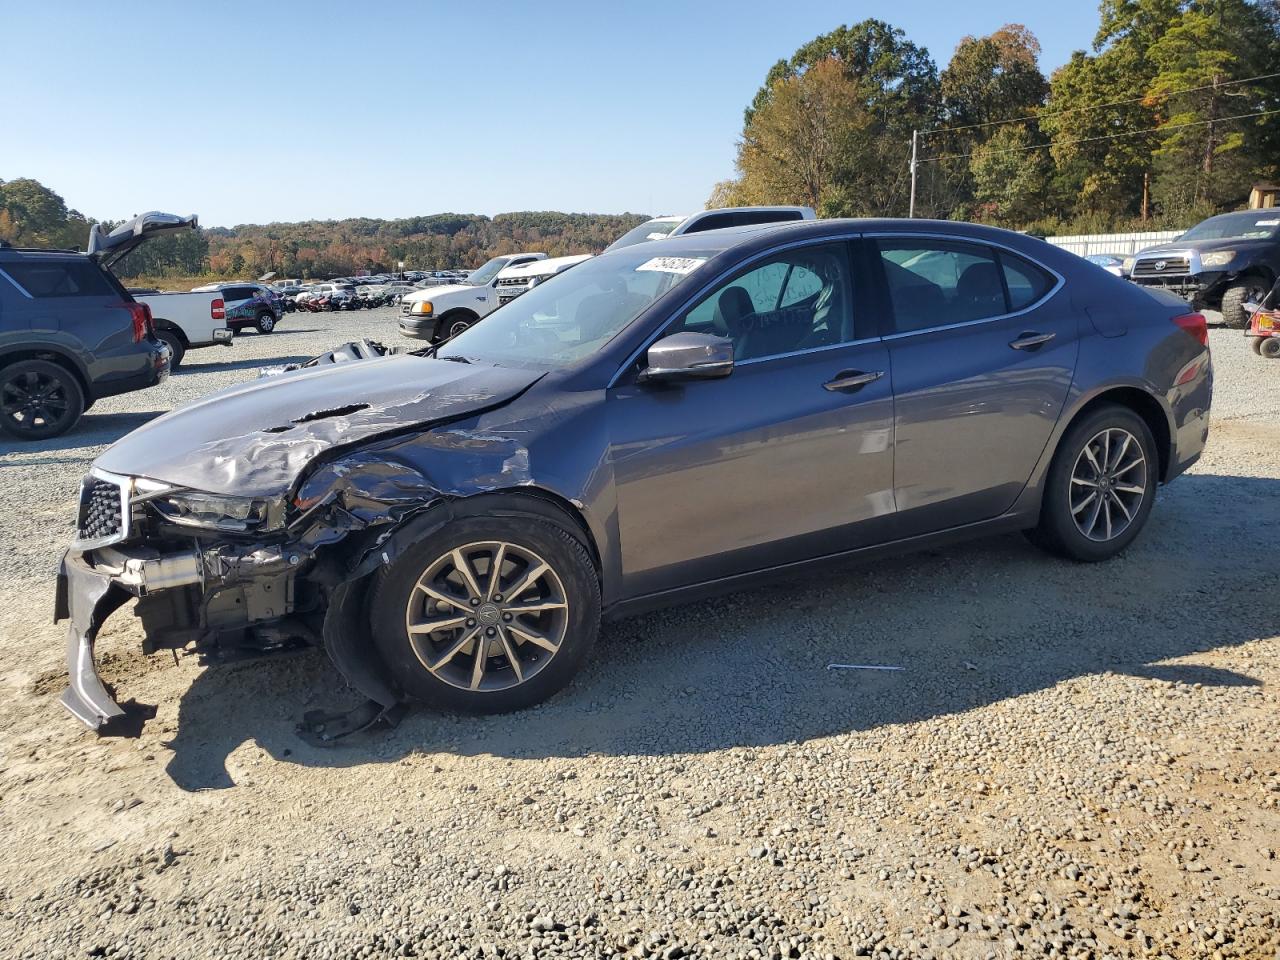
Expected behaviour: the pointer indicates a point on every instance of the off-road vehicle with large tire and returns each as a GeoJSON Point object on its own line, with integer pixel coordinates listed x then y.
{"type": "Point", "coordinates": [1220, 264]}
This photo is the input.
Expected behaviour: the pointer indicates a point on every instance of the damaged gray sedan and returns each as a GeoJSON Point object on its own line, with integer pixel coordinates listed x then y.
{"type": "Point", "coordinates": [661, 422]}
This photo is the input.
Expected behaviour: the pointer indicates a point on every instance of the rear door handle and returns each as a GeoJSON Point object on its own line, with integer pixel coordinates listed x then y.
{"type": "Point", "coordinates": [1031, 340]}
{"type": "Point", "coordinates": [847, 381]}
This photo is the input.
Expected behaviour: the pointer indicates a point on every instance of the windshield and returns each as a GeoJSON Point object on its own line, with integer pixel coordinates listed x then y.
{"type": "Point", "coordinates": [649, 230]}
{"type": "Point", "coordinates": [478, 278]}
{"type": "Point", "coordinates": [1254, 225]}
{"type": "Point", "coordinates": [573, 314]}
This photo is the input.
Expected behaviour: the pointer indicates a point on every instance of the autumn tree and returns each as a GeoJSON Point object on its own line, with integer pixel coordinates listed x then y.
{"type": "Point", "coordinates": [989, 81]}
{"type": "Point", "coordinates": [1205, 161]}
{"type": "Point", "coordinates": [839, 138]}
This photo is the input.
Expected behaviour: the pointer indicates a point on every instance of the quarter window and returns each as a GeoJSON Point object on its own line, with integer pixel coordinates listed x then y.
{"type": "Point", "coordinates": [799, 300]}
{"type": "Point", "coordinates": [933, 283]}
{"type": "Point", "coordinates": [1027, 283]}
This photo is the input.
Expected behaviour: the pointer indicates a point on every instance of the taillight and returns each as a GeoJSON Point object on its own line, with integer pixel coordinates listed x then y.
{"type": "Point", "coordinates": [1194, 324]}
{"type": "Point", "coordinates": [218, 310]}
{"type": "Point", "coordinates": [140, 317]}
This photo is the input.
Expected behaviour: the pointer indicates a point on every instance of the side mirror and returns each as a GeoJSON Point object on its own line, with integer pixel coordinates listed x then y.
{"type": "Point", "coordinates": [688, 356]}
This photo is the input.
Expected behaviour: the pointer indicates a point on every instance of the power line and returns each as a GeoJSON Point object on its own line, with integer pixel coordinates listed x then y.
{"type": "Point", "coordinates": [1100, 106]}
{"type": "Point", "coordinates": [1111, 136]}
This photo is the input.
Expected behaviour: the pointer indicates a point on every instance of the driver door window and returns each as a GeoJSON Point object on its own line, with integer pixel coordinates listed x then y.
{"type": "Point", "coordinates": [796, 301]}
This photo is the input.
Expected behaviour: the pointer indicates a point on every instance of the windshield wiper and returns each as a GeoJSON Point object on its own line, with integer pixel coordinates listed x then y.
{"type": "Point", "coordinates": [454, 357]}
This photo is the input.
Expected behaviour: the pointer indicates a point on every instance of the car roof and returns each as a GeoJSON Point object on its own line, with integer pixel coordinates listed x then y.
{"type": "Point", "coordinates": [43, 252]}
{"type": "Point", "coordinates": [765, 234]}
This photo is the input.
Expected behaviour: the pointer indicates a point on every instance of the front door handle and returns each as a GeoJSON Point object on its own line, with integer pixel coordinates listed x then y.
{"type": "Point", "coordinates": [1031, 340]}
{"type": "Point", "coordinates": [847, 381]}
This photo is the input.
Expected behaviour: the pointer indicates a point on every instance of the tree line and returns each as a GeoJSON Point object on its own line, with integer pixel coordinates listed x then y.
{"type": "Point", "coordinates": [1167, 119]}
{"type": "Point", "coordinates": [31, 214]}
{"type": "Point", "coordinates": [1172, 115]}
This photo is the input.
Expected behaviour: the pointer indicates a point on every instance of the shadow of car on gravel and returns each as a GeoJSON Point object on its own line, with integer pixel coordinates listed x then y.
{"type": "Point", "coordinates": [971, 625]}
{"type": "Point", "coordinates": [94, 429]}
{"type": "Point", "coordinates": [222, 366]}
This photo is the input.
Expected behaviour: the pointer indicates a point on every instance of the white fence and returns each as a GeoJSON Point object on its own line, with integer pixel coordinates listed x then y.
{"type": "Point", "coordinates": [1121, 244]}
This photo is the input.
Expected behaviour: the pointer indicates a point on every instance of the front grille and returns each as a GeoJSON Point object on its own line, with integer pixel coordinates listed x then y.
{"type": "Point", "coordinates": [101, 519]}
{"type": "Point", "coordinates": [1157, 267]}
{"type": "Point", "coordinates": [406, 307]}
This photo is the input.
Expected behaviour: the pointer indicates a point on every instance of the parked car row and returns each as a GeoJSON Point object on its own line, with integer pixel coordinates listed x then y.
{"type": "Point", "coordinates": [436, 314]}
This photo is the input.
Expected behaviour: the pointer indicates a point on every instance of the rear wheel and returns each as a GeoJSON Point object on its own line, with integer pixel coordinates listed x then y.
{"type": "Point", "coordinates": [266, 322]}
{"type": "Point", "coordinates": [487, 614]}
{"type": "Point", "coordinates": [39, 399]}
{"type": "Point", "coordinates": [176, 346]}
{"type": "Point", "coordinates": [1248, 290]}
{"type": "Point", "coordinates": [1270, 348]}
{"type": "Point", "coordinates": [1100, 488]}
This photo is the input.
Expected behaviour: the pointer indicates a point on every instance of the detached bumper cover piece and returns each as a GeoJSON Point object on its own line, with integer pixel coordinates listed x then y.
{"type": "Point", "coordinates": [87, 598]}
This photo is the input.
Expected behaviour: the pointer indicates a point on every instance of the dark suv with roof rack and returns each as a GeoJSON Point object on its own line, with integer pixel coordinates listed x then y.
{"type": "Point", "coordinates": [70, 334]}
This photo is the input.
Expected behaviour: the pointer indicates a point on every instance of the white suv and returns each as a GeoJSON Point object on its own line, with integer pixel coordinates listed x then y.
{"type": "Point", "coordinates": [659, 228]}
{"type": "Point", "coordinates": [515, 280]}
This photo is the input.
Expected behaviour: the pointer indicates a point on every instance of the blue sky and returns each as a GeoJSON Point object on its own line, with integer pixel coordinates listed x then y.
{"type": "Point", "coordinates": [252, 112]}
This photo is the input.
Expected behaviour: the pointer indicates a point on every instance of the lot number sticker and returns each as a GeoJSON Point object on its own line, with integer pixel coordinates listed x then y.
{"type": "Point", "coordinates": [678, 265]}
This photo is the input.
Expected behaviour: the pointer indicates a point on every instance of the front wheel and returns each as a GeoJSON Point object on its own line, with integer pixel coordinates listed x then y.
{"type": "Point", "coordinates": [1248, 290]}
{"type": "Point", "coordinates": [1100, 488]}
{"type": "Point", "coordinates": [1270, 348]}
{"type": "Point", "coordinates": [265, 323]}
{"type": "Point", "coordinates": [487, 614]}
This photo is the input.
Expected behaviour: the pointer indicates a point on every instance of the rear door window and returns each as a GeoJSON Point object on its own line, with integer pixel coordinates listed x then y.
{"type": "Point", "coordinates": [934, 282]}
{"type": "Point", "coordinates": [60, 278]}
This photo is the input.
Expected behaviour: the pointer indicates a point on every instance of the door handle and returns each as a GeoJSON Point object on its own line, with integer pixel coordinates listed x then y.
{"type": "Point", "coordinates": [1031, 340]}
{"type": "Point", "coordinates": [847, 381]}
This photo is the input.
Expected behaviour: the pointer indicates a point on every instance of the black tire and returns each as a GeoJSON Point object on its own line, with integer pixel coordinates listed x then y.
{"type": "Point", "coordinates": [176, 346]}
{"type": "Point", "coordinates": [54, 389]}
{"type": "Point", "coordinates": [265, 322]}
{"type": "Point", "coordinates": [452, 324]}
{"type": "Point", "coordinates": [1250, 289]}
{"type": "Point", "coordinates": [1255, 343]}
{"type": "Point", "coordinates": [396, 586]}
{"type": "Point", "coordinates": [1270, 348]}
{"type": "Point", "coordinates": [1057, 531]}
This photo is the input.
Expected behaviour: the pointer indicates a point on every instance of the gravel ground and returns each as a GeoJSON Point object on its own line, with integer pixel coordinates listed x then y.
{"type": "Point", "coordinates": [1075, 761]}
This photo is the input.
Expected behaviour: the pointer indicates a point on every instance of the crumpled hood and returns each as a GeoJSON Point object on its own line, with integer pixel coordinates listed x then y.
{"type": "Point", "coordinates": [255, 439]}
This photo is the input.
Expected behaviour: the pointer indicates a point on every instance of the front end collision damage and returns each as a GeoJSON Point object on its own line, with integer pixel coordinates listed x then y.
{"type": "Point", "coordinates": [353, 508]}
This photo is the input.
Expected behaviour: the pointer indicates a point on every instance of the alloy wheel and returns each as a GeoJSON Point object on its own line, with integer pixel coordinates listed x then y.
{"type": "Point", "coordinates": [487, 616]}
{"type": "Point", "coordinates": [1108, 484]}
{"type": "Point", "coordinates": [32, 401]}
{"type": "Point", "coordinates": [457, 327]}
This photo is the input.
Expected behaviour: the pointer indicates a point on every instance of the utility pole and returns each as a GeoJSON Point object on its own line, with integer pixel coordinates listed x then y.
{"type": "Point", "coordinates": [915, 141]}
